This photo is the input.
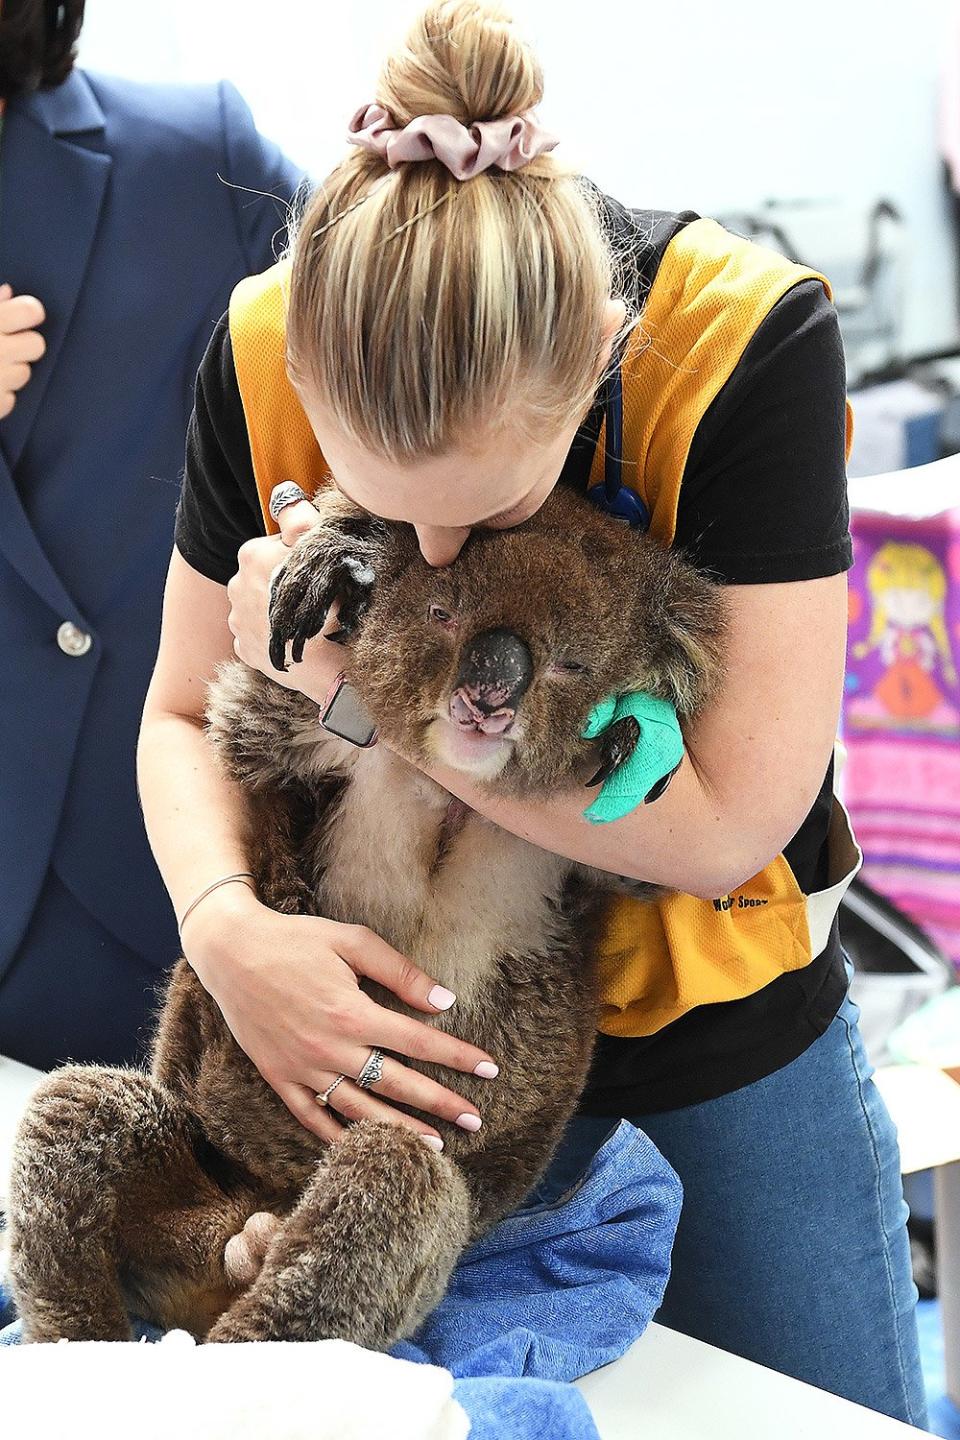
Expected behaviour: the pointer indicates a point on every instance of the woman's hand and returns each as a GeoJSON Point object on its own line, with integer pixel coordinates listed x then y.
{"type": "Point", "coordinates": [288, 987]}
{"type": "Point", "coordinates": [20, 344]}
{"type": "Point", "coordinates": [249, 596]}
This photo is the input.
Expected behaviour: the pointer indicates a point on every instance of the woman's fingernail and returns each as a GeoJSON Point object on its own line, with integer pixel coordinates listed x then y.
{"type": "Point", "coordinates": [487, 1069]}
{"type": "Point", "coordinates": [469, 1122]}
{"type": "Point", "coordinates": [433, 1141]}
{"type": "Point", "coordinates": [441, 998]}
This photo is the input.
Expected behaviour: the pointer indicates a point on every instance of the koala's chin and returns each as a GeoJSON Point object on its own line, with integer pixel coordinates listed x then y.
{"type": "Point", "coordinates": [483, 757]}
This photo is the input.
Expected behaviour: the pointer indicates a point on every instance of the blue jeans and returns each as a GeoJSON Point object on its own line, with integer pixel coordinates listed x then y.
{"type": "Point", "coordinates": [792, 1248]}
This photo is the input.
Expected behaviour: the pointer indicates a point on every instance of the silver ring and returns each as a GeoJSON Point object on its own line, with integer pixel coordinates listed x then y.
{"type": "Point", "coordinates": [372, 1070]}
{"type": "Point", "coordinates": [324, 1097]}
{"type": "Point", "coordinates": [288, 492]}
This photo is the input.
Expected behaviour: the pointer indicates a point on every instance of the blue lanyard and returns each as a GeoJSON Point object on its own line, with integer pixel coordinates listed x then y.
{"type": "Point", "coordinates": [612, 496]}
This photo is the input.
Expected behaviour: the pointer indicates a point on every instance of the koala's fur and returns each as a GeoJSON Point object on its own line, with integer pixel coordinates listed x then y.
{"type": "Point", "coordinates": [129, 1190]}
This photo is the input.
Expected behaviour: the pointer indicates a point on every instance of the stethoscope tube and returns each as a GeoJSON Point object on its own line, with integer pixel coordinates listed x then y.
{"type": "Point", "coordinates": [612, 496]}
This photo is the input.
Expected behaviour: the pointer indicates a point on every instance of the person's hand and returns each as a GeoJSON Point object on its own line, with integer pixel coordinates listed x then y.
{"type": "Point", "coordinates": [20, 344]}
{"type": "Point", "coordinates": [288, 987]}
{"type": "Point", "coordinates": [249, 595]}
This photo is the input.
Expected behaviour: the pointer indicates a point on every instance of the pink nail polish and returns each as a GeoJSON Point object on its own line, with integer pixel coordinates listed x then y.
{"type": "Point", "coordinates": [487, 1070]}
{"type": "Point", "coordinates": [469, 1122]}
{"type": "Point", "coordinates": [441, 998]}
{"type": "Point", "coordinates": [433, 1141]}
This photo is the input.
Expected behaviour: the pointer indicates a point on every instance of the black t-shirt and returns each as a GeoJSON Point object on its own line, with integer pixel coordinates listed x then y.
{"type": "Point", "coordinates": [763, 500]}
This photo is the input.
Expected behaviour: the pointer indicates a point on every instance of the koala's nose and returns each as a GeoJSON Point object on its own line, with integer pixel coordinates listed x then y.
{"type": "Point", "coordinates": [495, 674]}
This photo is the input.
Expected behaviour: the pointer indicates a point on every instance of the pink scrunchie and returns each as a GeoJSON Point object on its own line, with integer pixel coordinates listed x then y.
{"type": "Point", "coordinates": [510, 142]}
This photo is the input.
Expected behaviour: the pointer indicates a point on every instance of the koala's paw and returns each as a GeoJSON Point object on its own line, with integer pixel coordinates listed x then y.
{"type": "Point", "coordinates": [615, 745]}
{"type": "Point", "coordinates": [313, 578]}
{"type": "Point", "coordinates": [243, 1254]}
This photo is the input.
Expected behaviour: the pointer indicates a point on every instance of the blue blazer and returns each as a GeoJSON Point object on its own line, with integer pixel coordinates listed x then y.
{"type": "Point", "coordinates": [112, 213]}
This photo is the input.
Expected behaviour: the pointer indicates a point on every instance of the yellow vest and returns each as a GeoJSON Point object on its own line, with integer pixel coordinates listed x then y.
{"type": "Point", "coordinates": [711, 292]}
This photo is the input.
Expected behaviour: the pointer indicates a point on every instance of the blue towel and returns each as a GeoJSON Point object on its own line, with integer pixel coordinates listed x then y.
{"type": "Point", "coordinates": [555, 1291]}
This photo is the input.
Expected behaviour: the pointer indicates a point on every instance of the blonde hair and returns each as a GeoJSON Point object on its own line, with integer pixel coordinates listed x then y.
{"type": "Point", "coordinates": [423, 308]}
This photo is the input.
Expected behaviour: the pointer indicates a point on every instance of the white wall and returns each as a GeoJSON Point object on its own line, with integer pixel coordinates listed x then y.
{"type": "Point", "coordinates": [678, 104]}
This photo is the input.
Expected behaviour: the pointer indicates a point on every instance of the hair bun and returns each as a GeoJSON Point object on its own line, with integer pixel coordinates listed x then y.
{"type": "Point", "coordinates": [462, 59]}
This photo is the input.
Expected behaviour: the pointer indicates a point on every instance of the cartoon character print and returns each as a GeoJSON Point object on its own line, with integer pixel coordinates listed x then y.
{"type": "Point", "coordinates": [908, 587]}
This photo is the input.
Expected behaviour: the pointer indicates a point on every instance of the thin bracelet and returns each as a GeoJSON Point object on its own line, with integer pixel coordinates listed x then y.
{"type": "Point", "coordinates": [242, 875]}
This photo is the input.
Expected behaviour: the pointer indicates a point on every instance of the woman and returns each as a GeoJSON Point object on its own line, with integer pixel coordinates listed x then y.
{"type": "Point", "coordinates": [445, 339]}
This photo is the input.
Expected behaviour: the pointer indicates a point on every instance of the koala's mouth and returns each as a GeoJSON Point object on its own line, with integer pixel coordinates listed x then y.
{"type": "Point", "coordinates": [468, 715]}
{"type": "Point", "coordinates": [468, 747]}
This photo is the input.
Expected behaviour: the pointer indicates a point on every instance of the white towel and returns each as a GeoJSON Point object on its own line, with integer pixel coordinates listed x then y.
{"type": "Point", "coordinates": [177, 1390]}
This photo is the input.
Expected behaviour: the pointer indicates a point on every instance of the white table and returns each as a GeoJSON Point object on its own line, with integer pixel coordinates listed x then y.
{"type": "Point", "coordinates": [667, 1386]}
{"type": "Point", "coordinates": [917, 492]}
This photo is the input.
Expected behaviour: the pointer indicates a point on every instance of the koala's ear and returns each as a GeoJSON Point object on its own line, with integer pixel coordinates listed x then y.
{"type": "Point", "coordinates": [684, 631]}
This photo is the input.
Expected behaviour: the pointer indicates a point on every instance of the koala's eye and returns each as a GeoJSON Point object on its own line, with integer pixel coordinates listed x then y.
{"type": "Point", "coordinates": [442, 617]}
{"type": "Point", "coordinates": [568, 667]}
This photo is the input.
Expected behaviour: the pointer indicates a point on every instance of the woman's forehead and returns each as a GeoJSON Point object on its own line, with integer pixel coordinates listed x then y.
{"type": "Point", "coordinates": [466, 486]}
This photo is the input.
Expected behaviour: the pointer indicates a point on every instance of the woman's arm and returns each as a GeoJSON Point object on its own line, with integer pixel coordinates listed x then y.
{"type": "Point", "coordinates": [193, 813]}
{"type": "Point", "coordinates": [755, 759]}
{"type": "Point", "coordinates": [288, 986]}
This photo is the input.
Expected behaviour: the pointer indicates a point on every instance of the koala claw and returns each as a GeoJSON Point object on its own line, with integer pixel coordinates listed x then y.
{"type": "Point", "coordinates": [243, 1253]}
{"type": "Point", "coordinates": [303, 594]}
{"type": "Point", "coordinates": [617, 743]}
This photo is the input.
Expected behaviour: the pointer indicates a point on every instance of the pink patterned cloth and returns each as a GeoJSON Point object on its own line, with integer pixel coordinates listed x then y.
{"type": "Point", "coordinates": [901, 713]}
{"type": "Point", "coordinates": [508, 143]}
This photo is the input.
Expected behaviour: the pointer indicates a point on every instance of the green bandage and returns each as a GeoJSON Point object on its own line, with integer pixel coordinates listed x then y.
{"type": "Point", "coordinates": [658, 751]}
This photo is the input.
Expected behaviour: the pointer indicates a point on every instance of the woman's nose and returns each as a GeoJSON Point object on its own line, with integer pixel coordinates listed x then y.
{"type": "Point", "coordinates": [440, 545]}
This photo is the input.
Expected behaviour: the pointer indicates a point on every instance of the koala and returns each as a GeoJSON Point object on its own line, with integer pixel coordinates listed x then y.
{"type": "Point", "coordinates": [188, 1193]}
